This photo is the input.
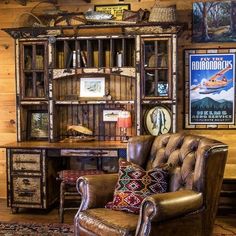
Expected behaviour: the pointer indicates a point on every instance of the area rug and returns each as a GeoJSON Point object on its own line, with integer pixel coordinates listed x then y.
{"type": "Point", "coordinates": [26, 229]}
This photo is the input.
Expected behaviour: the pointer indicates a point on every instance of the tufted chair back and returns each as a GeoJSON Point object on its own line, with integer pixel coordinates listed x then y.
{"type": "Point", "coordinates": [185, 153]}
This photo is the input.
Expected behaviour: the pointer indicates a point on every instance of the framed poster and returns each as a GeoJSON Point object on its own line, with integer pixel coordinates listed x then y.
{"type": "Point", "coordinates": [157, 120]}
{"type": "Point", "coordinates": [114, 9]}
{"type": "Point", "coordinates": [211, 90]}
{"type": "Point", "coordinates": [214, 21]}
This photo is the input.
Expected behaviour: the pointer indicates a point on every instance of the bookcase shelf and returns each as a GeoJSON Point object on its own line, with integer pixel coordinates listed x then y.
{"type": "Point", "coordinates": [103, 52]}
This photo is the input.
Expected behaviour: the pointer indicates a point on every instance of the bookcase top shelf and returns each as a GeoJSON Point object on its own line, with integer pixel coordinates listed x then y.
{"type": "Point", "coordinates": [82, 29]}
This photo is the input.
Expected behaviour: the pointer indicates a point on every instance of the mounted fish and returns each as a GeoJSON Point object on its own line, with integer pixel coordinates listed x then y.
{"type": "Point", "coordinates": [158, 120]}
{"type": "Point", "coordinates": [96, 15]}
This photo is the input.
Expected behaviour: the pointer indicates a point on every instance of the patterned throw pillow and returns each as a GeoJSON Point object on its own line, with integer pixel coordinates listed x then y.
{"type": "Point", "coordinates": [134, 184]}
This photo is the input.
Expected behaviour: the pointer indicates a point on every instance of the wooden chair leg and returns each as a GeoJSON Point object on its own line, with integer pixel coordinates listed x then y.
{"type": "Point", "coordinates": [62, 201]}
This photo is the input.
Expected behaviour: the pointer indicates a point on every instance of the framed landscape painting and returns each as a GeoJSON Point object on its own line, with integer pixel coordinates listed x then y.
{"type": "Point", "coordinates": [214, 21]}
{"type": "Point", "coordinates": [37, 125]}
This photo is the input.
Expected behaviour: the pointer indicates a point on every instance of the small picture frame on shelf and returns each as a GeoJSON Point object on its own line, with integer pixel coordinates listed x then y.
{"type": "Point", "coordinates": [92, 87]}
{"type": "Point", "coordinates": [37, 125]}
{"type": "Point", "coordinates": [110, 115]}
{"type": "Point", "coordinates": [162, 89]}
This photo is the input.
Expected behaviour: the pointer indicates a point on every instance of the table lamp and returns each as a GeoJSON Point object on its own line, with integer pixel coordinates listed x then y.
{"type": "Point", "coordinates": [124, 122]}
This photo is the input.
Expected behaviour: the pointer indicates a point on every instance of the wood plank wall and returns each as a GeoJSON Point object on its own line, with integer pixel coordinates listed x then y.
{"type": "Point", "coordinates": [10, 11]}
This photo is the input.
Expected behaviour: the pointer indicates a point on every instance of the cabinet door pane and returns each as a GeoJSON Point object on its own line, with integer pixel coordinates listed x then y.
{"type": "Point", "coordinates": [29, 84]}
{"type": "Point", "coordinates": [39, 58]}
{"type": "Point", "coordinates": [40, 84]}
{"type": "Point", "coordinates": [156, 68]}
{"type": "Point", "coordinates": [28, 57]}
{"type": "Point", "coordinates": [33, 70]}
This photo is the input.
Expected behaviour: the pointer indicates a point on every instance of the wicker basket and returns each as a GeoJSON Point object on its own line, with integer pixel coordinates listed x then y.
{"type": "Point", "coordinates": [162, 14]}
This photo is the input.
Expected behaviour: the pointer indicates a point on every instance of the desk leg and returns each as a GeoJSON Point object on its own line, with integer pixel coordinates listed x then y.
{"type": "Point", "coordinates": [99, 163]}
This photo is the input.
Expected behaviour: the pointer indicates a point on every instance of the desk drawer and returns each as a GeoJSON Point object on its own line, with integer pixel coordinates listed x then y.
{"type": "Point", "coordinates": [89, 153]}
{"type": "Point", "coordinates": [26, 161]}
{"type": "Point", "coordinates": [26, 189]}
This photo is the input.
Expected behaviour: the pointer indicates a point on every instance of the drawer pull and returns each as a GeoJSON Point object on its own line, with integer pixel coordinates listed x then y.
{"type": "Point", "coordinates": [26, 193]}
{"type": "Point", "coordinates": [27, 162]}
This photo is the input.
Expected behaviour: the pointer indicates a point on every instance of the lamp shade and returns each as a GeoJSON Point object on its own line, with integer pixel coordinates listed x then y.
{"type": "Point", "coordinates": [124, 119]}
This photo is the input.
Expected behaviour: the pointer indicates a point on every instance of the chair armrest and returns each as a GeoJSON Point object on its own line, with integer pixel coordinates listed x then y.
{"type": "Point", "coordinates": [163, 206]}
{"type": "Point", "coordinates": [96, 190]}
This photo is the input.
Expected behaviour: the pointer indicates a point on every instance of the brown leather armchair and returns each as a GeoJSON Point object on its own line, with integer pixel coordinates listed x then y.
{"type": "Point", "coordinates": [188, 208]}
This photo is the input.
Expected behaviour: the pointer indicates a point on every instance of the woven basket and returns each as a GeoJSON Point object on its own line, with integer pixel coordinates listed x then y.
{"type": "Point", "coordinates": [162, 14]}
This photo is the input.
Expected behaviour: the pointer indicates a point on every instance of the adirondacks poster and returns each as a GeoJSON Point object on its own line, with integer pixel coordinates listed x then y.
{"type": "Point", "coordinates": [212, 88]}
{"type": "Point", "coordinates": [214, 21]}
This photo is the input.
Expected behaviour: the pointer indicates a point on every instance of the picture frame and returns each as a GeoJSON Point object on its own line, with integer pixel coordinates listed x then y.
{"type": "Point", "coordinates": [212, 21]}
{"type": "Point", "coordinates": [37, 125]}
{"type": "Point", "coordinates": [158, 120]}
{"type": "Point", "coordinates": [209, 88]}
{"type": "Point", "coordinates": [114, 9]}
{"type": "Point", "coordinates": [110, 115]}
{"type": "Point", "coordinates": [92, 87]}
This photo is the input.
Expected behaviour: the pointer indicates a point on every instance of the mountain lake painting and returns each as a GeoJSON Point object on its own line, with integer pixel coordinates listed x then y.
{"type": "Point", "coordinates": [212, 88]}
{"type": "Point", "coordinates": [214, 21]}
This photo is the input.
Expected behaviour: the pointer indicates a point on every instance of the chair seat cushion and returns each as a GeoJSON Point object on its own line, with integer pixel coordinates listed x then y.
{"type": "Point", "coordinates": [134, 184]}
{"type": "Point", "coordinates": [102, 221]}
{"type": "Point", "coordinates": [70, 176]}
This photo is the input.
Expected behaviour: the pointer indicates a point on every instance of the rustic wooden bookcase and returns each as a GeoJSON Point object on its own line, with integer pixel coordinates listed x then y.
{"type": "Point", "coordinates": [134, 64]}
{"type": "Point", "coordinates": [138, 67]}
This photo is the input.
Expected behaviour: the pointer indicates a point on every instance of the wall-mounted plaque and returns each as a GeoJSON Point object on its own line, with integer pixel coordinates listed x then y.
{"type": "Point", "coordinates": [157, 120]}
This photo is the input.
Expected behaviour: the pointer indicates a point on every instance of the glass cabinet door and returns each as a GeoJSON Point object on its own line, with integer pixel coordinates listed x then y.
{"type": "Point", "coordinates": [156, 68]}
{"type": "Point", "coordinates": [33, 70]}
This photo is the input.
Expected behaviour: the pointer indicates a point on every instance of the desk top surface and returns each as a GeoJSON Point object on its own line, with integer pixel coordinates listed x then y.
{"type": "Point", "coordinates": [230, 172]}
{"type": "Point", "coordinates": [58, 145]}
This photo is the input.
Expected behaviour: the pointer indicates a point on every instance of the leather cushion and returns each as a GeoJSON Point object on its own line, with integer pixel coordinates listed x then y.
{"type": "Point", "coordinates": [134, 184]}
{"type": "Point", "coordinates": [102, 221]}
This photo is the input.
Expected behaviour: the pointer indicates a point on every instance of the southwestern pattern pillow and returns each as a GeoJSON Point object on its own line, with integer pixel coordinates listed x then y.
{"type": "Point", "coordinates": [134, 184]}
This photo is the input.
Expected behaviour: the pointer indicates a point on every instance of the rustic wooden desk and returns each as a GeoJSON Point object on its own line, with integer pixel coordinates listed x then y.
{"type": "Point", "coordinates": [32, 168]}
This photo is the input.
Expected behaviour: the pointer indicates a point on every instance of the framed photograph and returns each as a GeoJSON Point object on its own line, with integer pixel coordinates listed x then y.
{"type": "Point", "coordinates": [110, 115]}
{"type": "Point", "coordinates": [162, 89]}
{"type": "Point", "coordinates": [214, 21]}
{"type": "Point", "coordinates": [37, 125]}
{"type": "Point", "coordinates": [92, 87]}
{"type": "Point", "coordinates": [114, 9]}
{"type": "Point", "coordinates": [157, 120]}
{"type": "Point", "coordinates": [210, 84]}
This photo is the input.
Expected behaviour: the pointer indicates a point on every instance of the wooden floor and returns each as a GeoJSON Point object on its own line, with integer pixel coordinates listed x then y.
{"type": "Point", "coordinates": [224, 223]}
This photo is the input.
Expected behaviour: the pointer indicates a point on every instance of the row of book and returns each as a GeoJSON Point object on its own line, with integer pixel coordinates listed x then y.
{"type": "Point", "coordinates": [79, 58]}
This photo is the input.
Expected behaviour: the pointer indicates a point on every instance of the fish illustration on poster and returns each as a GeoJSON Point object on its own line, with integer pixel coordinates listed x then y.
{"type": "Point", "coordinates": [212, 88]}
